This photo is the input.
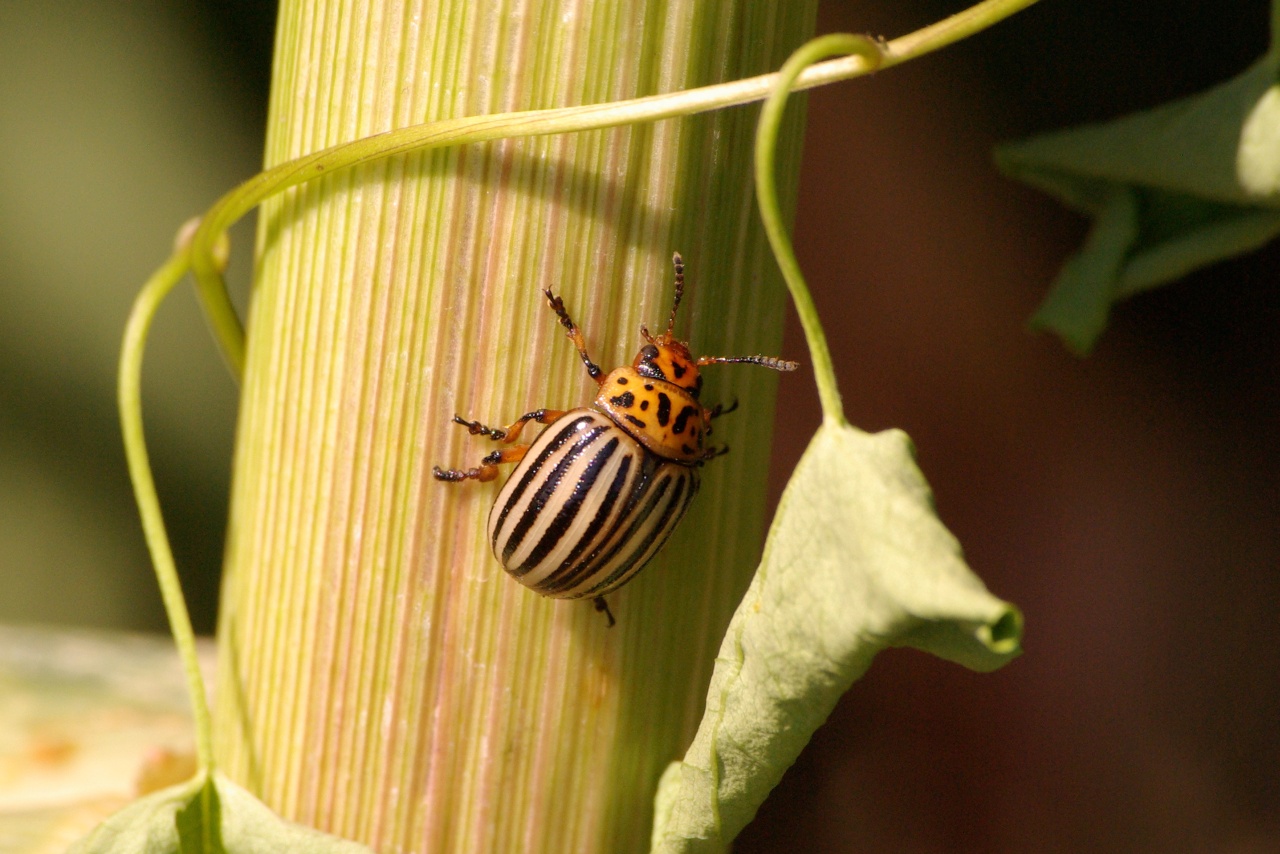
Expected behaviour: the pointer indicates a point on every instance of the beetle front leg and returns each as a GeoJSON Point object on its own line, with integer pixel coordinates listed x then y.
{"type": "Point", "coordinates": [512, 431]}
{"type": "Point", "coordinates": [720, 409]}
{"type": "Point", "coordinates": [575, 335]}
{"type": "Point", "coordinates": [712, 452]}
{"type": "Point", "coordinates": [488, 468]}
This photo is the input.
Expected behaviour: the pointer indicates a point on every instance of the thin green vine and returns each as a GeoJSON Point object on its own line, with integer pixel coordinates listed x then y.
{"type": "Point", "coordinates": [767, 195]}
{"type": "Point", "coordinates": [217, 304]}
{"type": "Point", "coordinates": [129, 397]}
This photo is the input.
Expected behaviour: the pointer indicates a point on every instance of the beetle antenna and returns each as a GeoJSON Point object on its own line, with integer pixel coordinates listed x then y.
{"type": "Point", "coordinates": [678, 263]}
{"type": "Point", "coordinates": [771, 362]}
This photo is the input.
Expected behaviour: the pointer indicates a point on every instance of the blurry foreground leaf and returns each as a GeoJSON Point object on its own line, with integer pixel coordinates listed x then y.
{"type": "Point", "coordinates": [856, 561]}
{"type": "Point", "coordinates": [169, 821]}
{"type": "Point", "coordinates": [1170, 190]}
{"type": "Point", "coordinates": [199, 822]}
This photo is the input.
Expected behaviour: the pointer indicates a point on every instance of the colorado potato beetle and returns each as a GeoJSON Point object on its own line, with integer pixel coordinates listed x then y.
{"type": "Point", "coordinates": [599, 491]}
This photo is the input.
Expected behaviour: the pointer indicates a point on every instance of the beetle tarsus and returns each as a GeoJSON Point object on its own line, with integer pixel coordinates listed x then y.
{"type": "Point", "coordinates": [475, 428]}
{"type": "Point", "coordinates": [603, 606]}
{"type": "Point", "coordinates": [453, 475]}
{"type": "Point", "coordinates": [720, 409]}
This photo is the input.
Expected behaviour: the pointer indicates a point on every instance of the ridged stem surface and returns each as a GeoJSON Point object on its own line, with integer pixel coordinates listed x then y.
{"type": "Point", "coordinates": [380, 675]}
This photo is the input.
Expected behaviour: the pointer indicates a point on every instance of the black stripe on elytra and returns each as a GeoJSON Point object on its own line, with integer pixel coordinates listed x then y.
{"type": "Point", "coordinates": [557, 527]}
{"type": "Point", "coordinates": [569, 575]}
{"type": "Point", "coordinates": [682, 419]}
{"type": "Point", "coordinates": [592, 531]}
{"type": "Point", "coordinates": [675, 506]}
{"type": "Point", "coordinates": [627, 551]}
{"type": "Point", "coordinates": [664, 409]}
{"type": "Point", "coordinates": [547, 488]}
{"type": "Point", "coordinates": [532, 467]}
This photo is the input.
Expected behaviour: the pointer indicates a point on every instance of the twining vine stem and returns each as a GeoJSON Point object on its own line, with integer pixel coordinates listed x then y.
{"type": "Point", "coordinates": [226, 211]}
{"type": "Point", "coordinates": [767, 196]}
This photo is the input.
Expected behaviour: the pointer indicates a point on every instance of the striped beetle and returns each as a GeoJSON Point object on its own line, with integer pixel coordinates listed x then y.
{"type": "Point", "coordinates": [598, 492]}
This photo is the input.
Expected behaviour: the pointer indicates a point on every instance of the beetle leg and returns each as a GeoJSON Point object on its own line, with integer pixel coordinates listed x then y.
{"type": "Point", "coordinates": [542, 416]}
{"type": "Point", "coordinates": [575, 335]}
{"type": "Point", "coordinates": [720, 409]}
{"type": "Point", "coordinates": [475, 428]}
{"type": "Point", "coordinates": [509, 433]}
{"type": "Point", "coordinates": [712, 452]}
{"type": "Point", "coordinates": [488, 468]}
{"type": "Point", "coordinates": [602, 605]}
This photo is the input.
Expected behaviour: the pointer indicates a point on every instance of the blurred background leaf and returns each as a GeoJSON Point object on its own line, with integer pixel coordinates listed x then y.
{"type": "Point", "coordinates": [1167, 190]}
{"type": "Point", "coordinates": [117, 123]}
{"type": "Point", "coordinates": [88, 720]}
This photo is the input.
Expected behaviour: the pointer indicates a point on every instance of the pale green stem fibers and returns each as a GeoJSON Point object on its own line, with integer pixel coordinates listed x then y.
{"type": "Point", "coordinates": [380, 676]}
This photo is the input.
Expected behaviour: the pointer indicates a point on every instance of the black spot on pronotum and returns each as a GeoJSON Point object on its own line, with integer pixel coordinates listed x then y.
{"type": "Point", "coordinates": [644, 363]}
{"type": "Point", "coordinates": [664, 409]}
{"type": "Point", "coordinates": [683, 419]}
{"type": "Point", "coordinates": [644, 406]}
{"type": "Point", "coordinates": [636, 421]}
{"type": "Point", "coordinates": [626, 400]}
{"type": "Point", "coordinates": [622, 380]}
{"type": "Point", "coordinates": [679, 369]}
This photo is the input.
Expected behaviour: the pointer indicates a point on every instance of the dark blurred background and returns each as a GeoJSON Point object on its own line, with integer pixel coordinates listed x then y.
{"type": "Point", "coordinates": [1127, 501]}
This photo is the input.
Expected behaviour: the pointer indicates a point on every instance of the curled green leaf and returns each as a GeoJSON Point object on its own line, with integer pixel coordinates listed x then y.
{"type": "Point", "coordinates": [1258, 159]}
{"type": "Point", "coordinates": [1170, 190]}
{"type": "Point", "coordinates": [173, 820]}
{"type": "Point", "coordinates": [199, 821]}
{"type": "Point", "coordinates": [856, 562]}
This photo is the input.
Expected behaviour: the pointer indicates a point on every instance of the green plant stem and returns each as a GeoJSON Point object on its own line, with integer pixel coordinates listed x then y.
{"type": "Point", "coordinates": [443, 706]}
{"type": "Point", "coordinates": [217, 304]}
{"type": "Point", "coordinates": [202, 258]}
{"type": "Point", "coordinates": [129, 398]}
{"type": "Point", "coordinates": [767, 196]}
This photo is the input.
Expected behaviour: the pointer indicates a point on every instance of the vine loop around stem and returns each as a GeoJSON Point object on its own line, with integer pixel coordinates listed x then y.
{"type": "Point", "coordinates": [818, 49]}
{"type": "Point", "coordinates": [129, 399]}
{"type": "Point", "coordinates": [861, 55]}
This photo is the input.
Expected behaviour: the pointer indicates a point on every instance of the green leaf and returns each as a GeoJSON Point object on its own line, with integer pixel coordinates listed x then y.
{"type": "Point", "coordinates": [171, 820]}
{"type": "Point", "coordinates": [199, 823]}
{"type": "Point", "coordinates": [1171, 190]}
{"type": "Point", "coordinates": [147, 825]}
{"type": "Point", "coordinates": [856, 561]}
